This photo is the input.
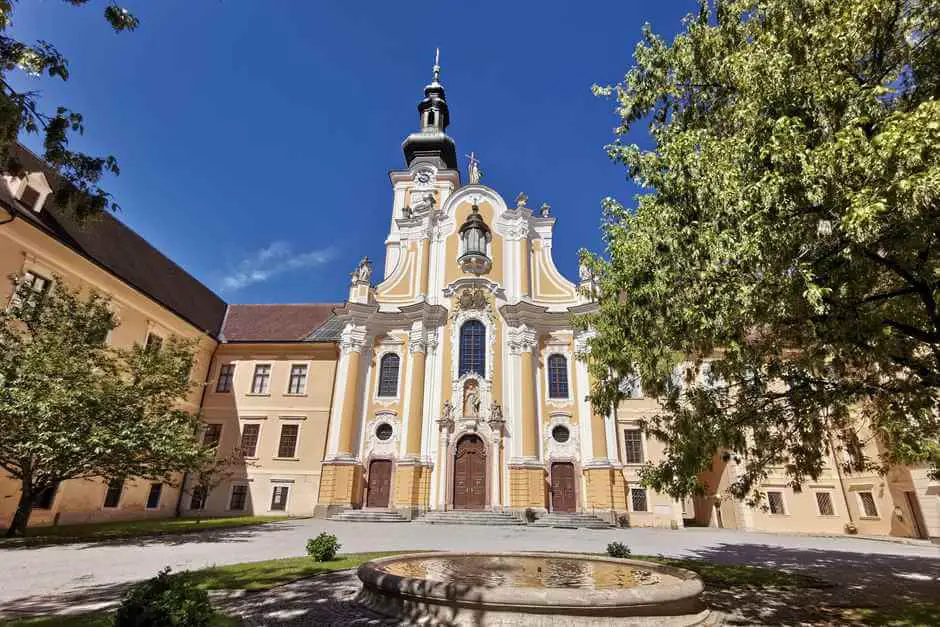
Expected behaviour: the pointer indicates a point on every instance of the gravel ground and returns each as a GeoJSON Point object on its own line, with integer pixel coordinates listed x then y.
{"type": "Point", "coordinates": [69, 577]}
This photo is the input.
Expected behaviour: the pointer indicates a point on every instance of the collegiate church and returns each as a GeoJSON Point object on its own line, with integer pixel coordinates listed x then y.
{"type": "Point", "coordinates": [447, 388]}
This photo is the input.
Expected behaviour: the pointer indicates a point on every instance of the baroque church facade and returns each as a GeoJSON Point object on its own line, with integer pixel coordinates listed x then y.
{"type": "Point", "coordinates": [447, 386]}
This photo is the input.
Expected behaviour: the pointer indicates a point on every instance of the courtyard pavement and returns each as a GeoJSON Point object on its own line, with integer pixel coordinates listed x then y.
{"type": "Point", "coordinates": [55, 578]}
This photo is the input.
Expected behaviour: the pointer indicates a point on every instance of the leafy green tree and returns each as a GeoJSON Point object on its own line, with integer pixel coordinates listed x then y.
{"type": "Point", "coordinates": [73, 407]}
{"type": "Point", "coordinates": [789, 227]}
{"type": "Point", "coordinates": [20, 111]}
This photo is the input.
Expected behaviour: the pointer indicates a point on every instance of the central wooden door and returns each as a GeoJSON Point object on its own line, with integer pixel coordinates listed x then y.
{"type": "Point", "coordinates": [380, 481]}
{"type": "Point", "coordinates": [563, 495]}
{"type": "Point", "coordinates": [470, 473]}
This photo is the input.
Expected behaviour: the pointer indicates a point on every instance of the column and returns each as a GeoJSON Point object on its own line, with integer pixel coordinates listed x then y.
{"type": "Point", "coordinates": [528, 488]}
{"type": "Point", "coordinates": [413, 475]}
{"type": "Point", "coordinates": [341, 475]}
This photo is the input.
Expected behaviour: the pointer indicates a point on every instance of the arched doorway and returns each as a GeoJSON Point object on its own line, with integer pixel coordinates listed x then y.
{"type": "Point", "coordinates": [470, 473]}
{"type": "Point", "coordinates": [380, 482]}
{"type": "Point", "coordinates": [564, 498]}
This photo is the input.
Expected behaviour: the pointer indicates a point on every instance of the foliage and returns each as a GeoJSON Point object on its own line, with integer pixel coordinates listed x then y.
{"type": "Point", "coordinates": [213, 470]}
{"type": "Point", "coordinates": [323, 548]}
{"type": "Point", "coordinates": [618, 549]}
{"type": "Point", "coordinates": [165, 601]}
{"type": "Point", "coordinates": [74, 407]}
{"type": "Point", "coordinates": [272, 573]}
{"type": "Point", "coordinates": [789, 229]}
{"type": "Point", "coordinates": [96, 619]}
{"type": "Point", "coordinates": [20, 111]}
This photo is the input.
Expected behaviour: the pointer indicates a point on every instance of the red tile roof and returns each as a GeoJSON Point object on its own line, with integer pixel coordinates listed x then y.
{"type": "Point", "coordinates": [274, 323]}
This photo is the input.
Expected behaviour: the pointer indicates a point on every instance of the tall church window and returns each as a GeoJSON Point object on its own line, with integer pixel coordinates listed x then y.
{"type": "Point", "coordinates": [557, 376]}
{"type": "Point", "coordinates": [472, 341]}
{"type": "Point", "coordinates": [388, 375]}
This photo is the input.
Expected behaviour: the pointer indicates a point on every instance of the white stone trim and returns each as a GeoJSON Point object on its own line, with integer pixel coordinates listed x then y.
{"type": "Point", "coordinates": [564, 450]}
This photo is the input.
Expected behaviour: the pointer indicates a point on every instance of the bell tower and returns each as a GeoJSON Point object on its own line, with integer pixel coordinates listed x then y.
{"type": "Point", "coordinates": [431, 144]}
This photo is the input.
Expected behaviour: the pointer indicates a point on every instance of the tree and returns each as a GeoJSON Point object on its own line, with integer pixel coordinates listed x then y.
{"type": "Point", "coordinates": [789, 228]}
{"type": "Point", "coordinates": [73, 407]}
{"type": "Point", "coordinates": [213, 471]}
{"type": "Point", "coordinates": [20, 111]}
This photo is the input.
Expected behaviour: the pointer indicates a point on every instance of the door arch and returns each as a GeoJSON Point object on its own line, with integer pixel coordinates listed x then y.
{"type": "Point", "coordinates": [380, 483]}
{"type": "Point", "coordinates": [470, 473]}
{"type": "Point", "coordinates": [564, 497]}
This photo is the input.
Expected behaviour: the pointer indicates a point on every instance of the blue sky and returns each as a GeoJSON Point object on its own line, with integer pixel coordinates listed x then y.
{"type": "Point", "coordinates": [255, 138]}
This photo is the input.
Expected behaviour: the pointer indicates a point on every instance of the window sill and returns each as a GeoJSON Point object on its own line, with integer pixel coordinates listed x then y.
{"type": "Point", "coordinates": [221, 391]}
{"type": "Point", "coordinates": [285, 459]}
{"type": "Point", "coordinates": [257, 394]}
{"type": "Point", "coordinates": [295, 395]}
{"type": "Point", "coordinates": [869, 517]}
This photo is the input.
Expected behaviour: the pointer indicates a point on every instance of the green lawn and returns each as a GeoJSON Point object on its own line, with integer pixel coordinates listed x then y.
{"type": "Point", "coordinates": [906, 615]}
{"type": "Point", "coordinates": [132, 529]}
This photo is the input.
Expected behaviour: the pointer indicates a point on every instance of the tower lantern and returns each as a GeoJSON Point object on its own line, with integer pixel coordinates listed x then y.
{"type": "Point", "coordinates": [474, 238]}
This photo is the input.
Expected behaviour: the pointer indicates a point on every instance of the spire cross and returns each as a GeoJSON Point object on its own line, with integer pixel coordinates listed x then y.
{"type": "Point", "coordinates": [437, 64]}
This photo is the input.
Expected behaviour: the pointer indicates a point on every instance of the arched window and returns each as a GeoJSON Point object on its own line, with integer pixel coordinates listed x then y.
{"type": "Point", "coordinates": [388, 375]}
{"type": "Point", "coordinates": [557, 376]}
{"type": "Point", "coordinates": [472, 347]}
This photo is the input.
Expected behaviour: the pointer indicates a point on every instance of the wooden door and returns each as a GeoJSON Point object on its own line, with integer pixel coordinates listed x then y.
{"type": "Point", "coordinates": [470, 474]}
{"type": "Point", "coordinates": [380, 481]}
{"type": "Point", "coordinates": [563, 494]}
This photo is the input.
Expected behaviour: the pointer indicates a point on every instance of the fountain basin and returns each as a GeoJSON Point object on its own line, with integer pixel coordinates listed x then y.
{"type": "Point", "coordinates": [530, 589]}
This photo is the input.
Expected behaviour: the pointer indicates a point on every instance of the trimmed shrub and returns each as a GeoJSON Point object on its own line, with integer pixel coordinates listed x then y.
{"type": "Point", "coordinates": [618, 549]}
{"type": "Point", "coordinates": [323, 548]}
{"type": "Point", "coordinates": [165, 601]}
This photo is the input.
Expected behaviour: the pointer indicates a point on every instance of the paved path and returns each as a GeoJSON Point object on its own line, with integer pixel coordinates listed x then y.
{"type": "Point", "coordinates": [29, 577]}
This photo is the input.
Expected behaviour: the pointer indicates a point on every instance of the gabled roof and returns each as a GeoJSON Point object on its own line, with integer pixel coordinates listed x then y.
{"type": "Point", "coordinates": [115, 247]}
{"type": "Point", "coordinates": [278, 323]}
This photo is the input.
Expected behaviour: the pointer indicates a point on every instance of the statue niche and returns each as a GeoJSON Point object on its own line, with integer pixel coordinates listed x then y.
{"type": "Point", "coordinates": [471, 399]}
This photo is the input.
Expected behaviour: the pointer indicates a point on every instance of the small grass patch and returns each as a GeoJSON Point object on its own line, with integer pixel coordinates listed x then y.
{"type": "Point", "coordinates": [132, 529]}
{"type": "Point", "coordinates": [902, 615]}
{"type": "Point", "coordinates": [95, 619]}
{"type": "Point", "coordinates": [271, 573]}
{"type": "Point", "coordinates": [730, 575]}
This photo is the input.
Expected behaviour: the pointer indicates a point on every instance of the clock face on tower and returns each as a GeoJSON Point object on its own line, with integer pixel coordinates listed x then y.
{"type": "Point", "coordinates": [424, 177]}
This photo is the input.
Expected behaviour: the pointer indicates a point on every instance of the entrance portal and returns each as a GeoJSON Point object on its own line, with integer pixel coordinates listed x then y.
{"type": "Point", "coordinates": [470, 473]}
{"type": "Point", "coordinates": [380, 481]}
{"type": "Point", "coordinates": [563, 494]}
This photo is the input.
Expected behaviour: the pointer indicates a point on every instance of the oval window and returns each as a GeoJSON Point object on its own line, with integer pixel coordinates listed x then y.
{"type": "Point", "coordinates": [561, 434]}
{"type": "Point", "coordinates": [383, 431]}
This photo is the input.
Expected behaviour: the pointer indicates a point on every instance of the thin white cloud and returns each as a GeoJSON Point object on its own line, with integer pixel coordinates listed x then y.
{"type": "Point", "coordinates": [274, 259]}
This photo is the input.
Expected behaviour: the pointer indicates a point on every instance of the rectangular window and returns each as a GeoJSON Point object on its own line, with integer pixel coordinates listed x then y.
{"type": "Point", "coordinates": [775, 502]}
{"type": "Point", "coordinates": [261, 380]}
{"type": "Point", "coordinates": [250, 433]}
{"type": "Point", "coordinates": [279, 498]}
{"type": "Point", "coordinates": [198, 500]}
{"type": "Point", "coordinates": [154, 342]}
{"type": "Point", "coordinates": [239, 498]}
{"type": "Point", "coordinates": [30, 293]}
{"type": "Point", "coordinates": [287, 446]}
{"type": "Point", "coordinates": [638, 499]}
{"type": "Point", "coordinates": [45, 497]}
{"type": "Point", "coordinates": [112, 498]}
{"type": "Point", "coordinates": [824, 504]}
{"type": "Point", "coordinates": [869, 509]}
{"type": "Point", "coordinates": [298, 379]}
{"type": "Point", "coordinates": [557, 376]}
{"type": "Point", "coordinates": [633, 445]}
{"type": "Point", "coordinates": [212, 434]}
{"type": "Point", "coordinates": [29, 197]}
{"type": "Point", "coordinates": [153, 499]}
{"type": "Point", "coordinates": [226, 375]}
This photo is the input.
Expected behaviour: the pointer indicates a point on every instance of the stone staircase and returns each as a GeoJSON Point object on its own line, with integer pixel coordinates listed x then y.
{"type": "Point", "coordinates": [369, 515]}
{"type": "Point", "coordinates": [471, 517]}
{"type": "Point", "coordinates": [571, 520]}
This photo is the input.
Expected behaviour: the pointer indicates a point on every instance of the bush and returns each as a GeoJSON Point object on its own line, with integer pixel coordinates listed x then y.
{"type": "Point", "coordinates": [618, 549]}
{"type": "Point", "coordinates": [165, 601]}
{"type": "Point", "coordinates": [323, 548]}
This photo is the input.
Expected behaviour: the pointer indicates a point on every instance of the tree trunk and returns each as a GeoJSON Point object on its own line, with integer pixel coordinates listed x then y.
{"type": "Point", "coordinates": [23, 510]}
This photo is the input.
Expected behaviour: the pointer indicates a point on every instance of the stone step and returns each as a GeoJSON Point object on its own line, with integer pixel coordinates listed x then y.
{"type": "Point", "coordinates": [359, 515]}
{"type": "Point", "coordinates": [470, 517]}
{"type": "Point", "coordinates": [571, 520]}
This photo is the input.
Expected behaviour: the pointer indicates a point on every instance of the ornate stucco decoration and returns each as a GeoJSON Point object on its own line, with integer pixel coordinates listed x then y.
{"type": "Point", "coordinates": [522, 339]}
{"type": "Point", "coordinates": [353, 338]}
{"type": "Point", "coordinates": [554, 449]}
{"type": "Point", "coordinates": [377, 446]}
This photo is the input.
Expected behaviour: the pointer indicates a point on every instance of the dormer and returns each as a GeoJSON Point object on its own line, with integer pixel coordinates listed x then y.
{"type": "Point", "coordinates": [31, 189]}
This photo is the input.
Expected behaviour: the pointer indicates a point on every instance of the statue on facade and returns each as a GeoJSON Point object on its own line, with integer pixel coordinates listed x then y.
{"type": "Point", "coordinates": [496, 412]}
{"type": "Point", "coordinates": [546, 210]}
{"type": "Point", "coordinates": [473, 169]}
{"type": "Point", "coordinates": [521, 200]}
{"type": "Point", "coordinates": [471, 400]}
{"type": "Point", "coordinates": [363, 271]}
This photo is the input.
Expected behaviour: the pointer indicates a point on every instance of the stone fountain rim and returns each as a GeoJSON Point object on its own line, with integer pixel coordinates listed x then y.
{"type": "Point", "coordinates": [690, 585]}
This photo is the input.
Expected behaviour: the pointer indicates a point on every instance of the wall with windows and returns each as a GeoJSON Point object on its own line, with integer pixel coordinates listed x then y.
{"type": "Point", "coordinates": [24, 248]}
{"type": "Point", "coordinates": [272, 402]}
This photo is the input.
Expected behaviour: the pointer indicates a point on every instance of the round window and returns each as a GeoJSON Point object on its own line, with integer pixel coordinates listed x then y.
{"type": "Point", "coordinates": [561, 434]}
{"type": "Point", "coordinates": [383, 431]}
